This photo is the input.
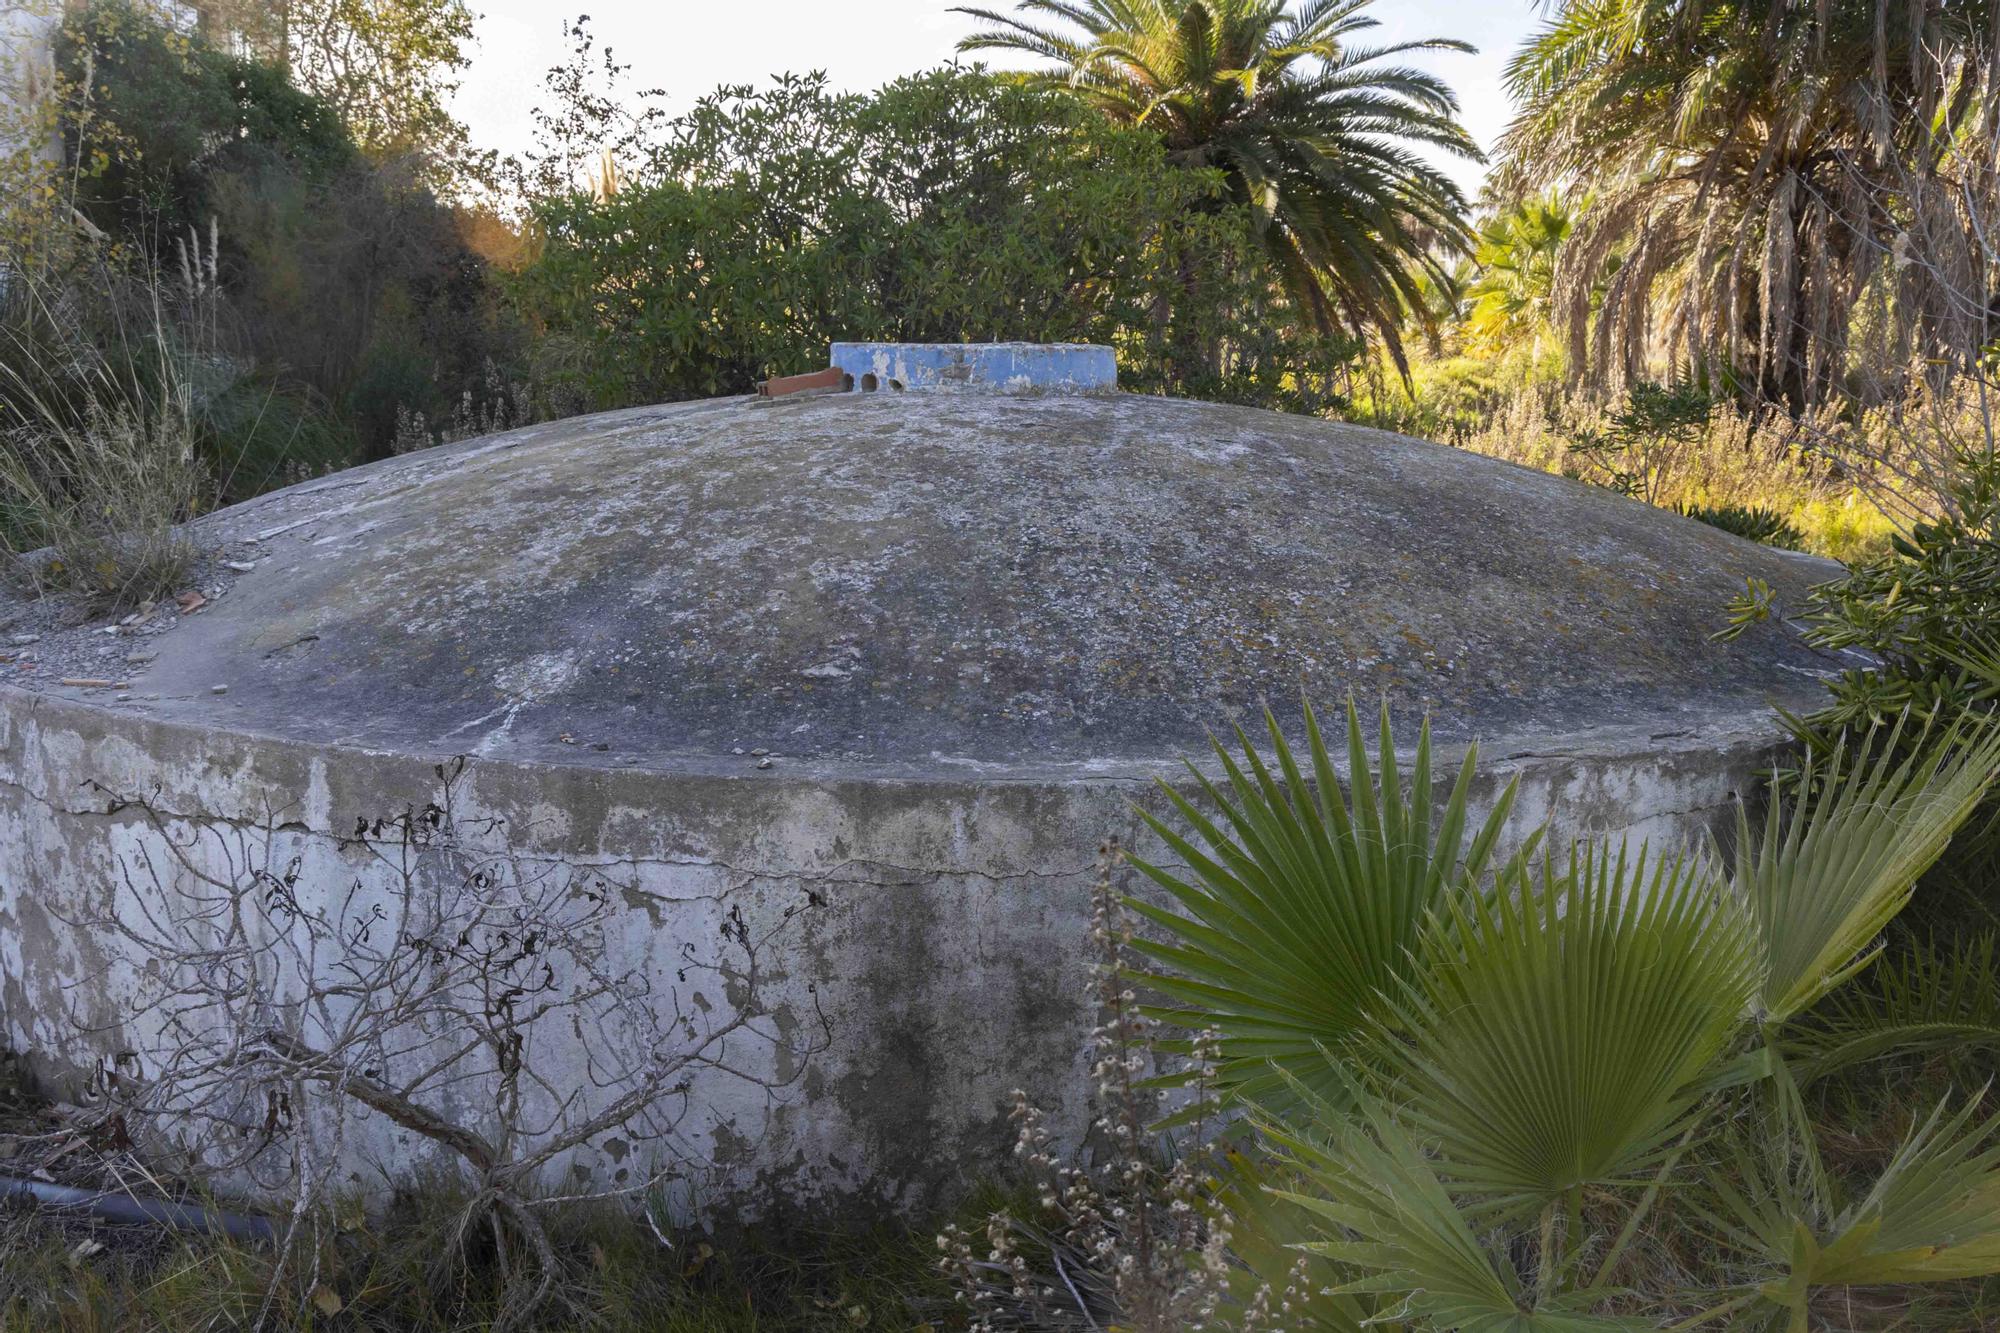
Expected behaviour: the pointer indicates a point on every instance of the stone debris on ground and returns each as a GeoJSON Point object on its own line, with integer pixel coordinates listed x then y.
{"type": "Point", "coordinates": [65, 642]}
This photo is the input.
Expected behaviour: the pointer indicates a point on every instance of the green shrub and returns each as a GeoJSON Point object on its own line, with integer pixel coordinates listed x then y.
{"type": "Point", "coordinates": [260, 432]}
{"type": "Point", "coordinates": [165, 116]}
{"type": "Point", "coordinates": [950, 206]}
{"type": "Point", "coordinates": [1571, 1093]}
{"type": "Point", "coordinates": [1650, 434]}
{"type": "Point", "coordinates": [342, 291]}
{"type": "Point", "coordinates": [1928, 611]}
{"type": "Point", "coordinates": [1757, 523]}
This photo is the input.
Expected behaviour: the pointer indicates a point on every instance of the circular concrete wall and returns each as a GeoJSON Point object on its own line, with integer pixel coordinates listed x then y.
{"type": "Point", "coordinates": [904, 659]}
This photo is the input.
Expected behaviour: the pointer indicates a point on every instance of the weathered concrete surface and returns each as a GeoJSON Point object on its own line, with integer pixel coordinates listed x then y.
{"type": "Point", "coordinates": [909, 581]}
{"type": "Point", "coordinates": [946, 954]}
{"type": "Point", "coordinates": [971, 630]}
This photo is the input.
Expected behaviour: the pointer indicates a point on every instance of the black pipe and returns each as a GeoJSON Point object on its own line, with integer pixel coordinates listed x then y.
{"type": "Point", "coordinates": [114, 1207]}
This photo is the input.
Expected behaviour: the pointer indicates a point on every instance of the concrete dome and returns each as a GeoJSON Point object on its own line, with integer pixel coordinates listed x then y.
{"type": "Point", "coordinates": [905, 658]}
{"type": "Point", "coordinates": [904, 580]}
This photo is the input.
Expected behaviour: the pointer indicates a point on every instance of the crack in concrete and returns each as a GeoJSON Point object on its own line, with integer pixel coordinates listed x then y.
{"type": "Point", "coordinates": [138, 810]}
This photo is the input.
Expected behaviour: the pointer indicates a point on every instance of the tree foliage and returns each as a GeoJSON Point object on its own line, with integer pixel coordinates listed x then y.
{"type": "Point", "coordinates": [386, 68]}
{"type": "Point", "coordinates": [389, 67]}
{"type": "Point", "coordinates": [1513, 272]}
{"type": "Point", "coordinates": [322, 295]}
{"type": "Point", "coordinates": [950, 206]}
{"type": "Point", "coordinates": [1760, 172]}
{"type": "Point", "coordinates": [1318, 136]}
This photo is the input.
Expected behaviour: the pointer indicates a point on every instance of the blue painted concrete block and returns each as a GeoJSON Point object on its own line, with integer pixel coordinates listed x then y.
{"type": "Point", "coordinates": [1003, 367]}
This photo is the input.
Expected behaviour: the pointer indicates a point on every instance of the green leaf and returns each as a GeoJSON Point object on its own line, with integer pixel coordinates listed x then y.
{"type": "Point", "coordinates": [1933, 1214]}
{"type": "Point", "coordinates": [1561, 1032]}
{"type": "Point", "coordinates": [1839, 858]}
{"type": "Point", "coordinates": [1303, 907]}
{"type": "Point", "coordinates": [1382, 1211]}
{"type": "Point", "coordinates": [1264, 1229]}
{"type": "Point", "coordinates": [1920, 1000]}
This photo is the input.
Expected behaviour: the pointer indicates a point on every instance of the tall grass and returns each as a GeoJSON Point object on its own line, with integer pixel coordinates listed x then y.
{"type": "Point", "coordinates": [1736, 459]}
{"type": "Point", "coordinates": [410, 1269]}
{"type": "Point", "coordinates": [98, 428]}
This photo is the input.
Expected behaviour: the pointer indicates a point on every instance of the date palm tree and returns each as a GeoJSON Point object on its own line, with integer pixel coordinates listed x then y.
{"type": "Point", "coordinates": [1762, 169]}
{"type": "Point", "coordinates": [1318, 138]}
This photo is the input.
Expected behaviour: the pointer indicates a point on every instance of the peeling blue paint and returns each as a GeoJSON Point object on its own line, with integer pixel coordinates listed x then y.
{"type": "Point", "coordinates": [1003, 367]}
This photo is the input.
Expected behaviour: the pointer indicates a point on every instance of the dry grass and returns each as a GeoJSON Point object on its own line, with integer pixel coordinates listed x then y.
{"type": "Point", "coordinates": [98, 467]}
{"type": "Point", "coordinates": [1735, 460]}
{"type": "Point", "coordinates": [71, 1274]}
{"type": "Point", "coordinates": [95, 508]}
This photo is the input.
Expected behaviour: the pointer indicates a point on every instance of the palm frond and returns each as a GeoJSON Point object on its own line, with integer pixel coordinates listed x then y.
{"type": "Point", "coordinates": [1382, 1210]}
{"type": "Point", "coordinates": [1316, 136]}
{"type": "Point", "coordinates": [1921, 999]}
{"type": "Point", "coordinates": [1840, 856]}
{"type": "Point", "coordinates": [1932, 1215]}
{"type": "Point", "coordinates": [1560, 1031]}
{"type": "Point", "coordinates": [1300, 905]}
{"type": "Point", "coordinates": [1264, 1230]}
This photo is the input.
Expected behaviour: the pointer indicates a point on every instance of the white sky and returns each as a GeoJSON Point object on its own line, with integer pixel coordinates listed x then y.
{"type": "Point", "coordinates": [689, 46]}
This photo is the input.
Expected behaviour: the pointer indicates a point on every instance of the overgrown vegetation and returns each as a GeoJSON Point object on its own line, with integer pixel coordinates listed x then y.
{"type": "Point", "coordinates": [1551, 1088]}
{"type": "Point", "coordinates": [99, 459]}
{"type": "Point", "coordinates": [343, 287]}
{"type": "Point", "coordinates": [383, 1272]}
{"type": "Point", "coordinates": [1474, 1081]}
{"type": "Point", "coordinates": [947, 207]}
{"type": "Point", "coordinates": [1310, 127]}
{"type": "Point", "coordinates": [1928, 612]}
{"type": "Point", "coordinates": [1734, 262]}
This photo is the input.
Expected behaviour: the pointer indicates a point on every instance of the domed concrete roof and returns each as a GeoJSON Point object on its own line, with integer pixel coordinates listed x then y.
{"type": "Point", "coordinates": [898, 581]}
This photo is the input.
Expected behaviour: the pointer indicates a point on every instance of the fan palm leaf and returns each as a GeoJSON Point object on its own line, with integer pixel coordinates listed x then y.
{"type": "Point", "coordinates": [1932, 1215]}
{"type": "Point", "coordinates": [1299, 904]}
{"type": "Point", "coordinates": [1839, 858]}
{"type": "Point", "coordinates": [1382, 1211]}
{"type": "Point", "coordinates": [1926, 999]}
{"type": "Point", "coordinates": [1562, 1029]}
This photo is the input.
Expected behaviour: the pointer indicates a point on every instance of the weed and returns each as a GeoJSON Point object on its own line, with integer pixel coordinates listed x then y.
{"type": "Point", "coordinates": [616, 1275]}
{"type": "Point", "coordinates": [97, 451]}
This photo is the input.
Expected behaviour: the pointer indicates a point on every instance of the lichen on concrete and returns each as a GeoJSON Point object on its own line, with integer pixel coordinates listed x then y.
{"type": "Point", "coordinates": [925, 579]}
